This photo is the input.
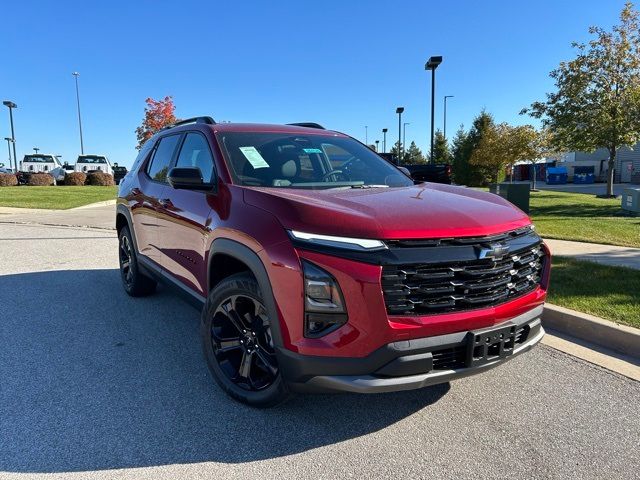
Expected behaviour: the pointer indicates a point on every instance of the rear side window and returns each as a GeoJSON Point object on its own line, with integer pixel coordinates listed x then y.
{"type": "Point", "coordinates": [159, 165]}
{"type": "Point", "coordinates": [195, 153]}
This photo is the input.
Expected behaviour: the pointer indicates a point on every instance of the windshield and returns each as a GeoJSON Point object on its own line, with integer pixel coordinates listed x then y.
{"type": "Point", "coordinates": [306, 161]}
{"type": "Point", "coordinates": [39, 159]}
{"type": "Point", "coordinates": [92, 159]}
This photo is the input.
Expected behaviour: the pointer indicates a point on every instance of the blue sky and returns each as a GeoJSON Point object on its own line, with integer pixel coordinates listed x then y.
{"type": "Point", "coordinates": [344, 64]}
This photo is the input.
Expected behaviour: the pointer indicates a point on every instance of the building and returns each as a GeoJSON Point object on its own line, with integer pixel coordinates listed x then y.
{"type": "Point", "coordinates": [627, 165]}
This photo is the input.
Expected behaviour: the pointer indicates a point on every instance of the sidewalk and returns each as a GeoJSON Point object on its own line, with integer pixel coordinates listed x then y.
{"type": "Point", "coordinates": [99, 215]}
{"type": "Point", "coordinates": [595, 252]}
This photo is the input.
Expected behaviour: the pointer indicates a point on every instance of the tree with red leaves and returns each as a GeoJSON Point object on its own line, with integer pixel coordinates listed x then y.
{"type": "Point", "coordinates": [157, 114]}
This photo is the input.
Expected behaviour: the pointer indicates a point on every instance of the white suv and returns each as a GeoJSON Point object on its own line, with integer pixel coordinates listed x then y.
{"type": "Point", "coordinates": [43, 163]}
{"type": "Point", "coordinates": [93, 163]}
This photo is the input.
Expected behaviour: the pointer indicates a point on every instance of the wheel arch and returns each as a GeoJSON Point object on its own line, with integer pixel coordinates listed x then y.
{"type": "Point", "coordinates": [123, 219]}
{"type": "Point", "coordinates": [243, 254]}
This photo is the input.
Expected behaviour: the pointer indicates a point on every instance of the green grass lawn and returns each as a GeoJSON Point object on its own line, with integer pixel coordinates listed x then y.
{"type": "Point", "coordinates": [54, 197]}
{"type": "Point", "coordinates": [608, 292]}
{"type": "Point", "coordinates": [584, 218]}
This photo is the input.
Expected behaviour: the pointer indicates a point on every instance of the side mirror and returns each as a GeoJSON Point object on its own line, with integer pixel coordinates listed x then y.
{"type": "Point", "coordinates": [405, 171]}
{"type": "Point", "coordinates": [187, 178]}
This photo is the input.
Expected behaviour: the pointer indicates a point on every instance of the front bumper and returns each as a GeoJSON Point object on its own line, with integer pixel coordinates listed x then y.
{"type": "Point", "coordinates": [402, 365]}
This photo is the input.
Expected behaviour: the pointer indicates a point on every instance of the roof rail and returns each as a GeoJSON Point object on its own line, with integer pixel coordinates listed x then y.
{"type": "Point", "coordinates": [207, 120]}
{"type": "Point", "coordinates": [308, 125]}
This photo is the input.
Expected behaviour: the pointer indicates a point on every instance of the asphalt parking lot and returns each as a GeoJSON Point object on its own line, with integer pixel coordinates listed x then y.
{"type": "Point", "coordinates": [94, 384]}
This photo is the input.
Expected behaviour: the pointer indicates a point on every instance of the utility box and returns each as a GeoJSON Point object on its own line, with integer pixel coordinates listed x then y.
{"type": "Point", "coordinates": [631, 200]}
{"type": "Point", "coordinates": [517, 193]}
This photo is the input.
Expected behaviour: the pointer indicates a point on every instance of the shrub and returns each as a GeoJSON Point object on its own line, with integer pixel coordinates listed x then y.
{"type": "Point", "coordinates": [8, 180]}
{"type": "Point", "coordinates": [100, 179]}
{"type": "Point", "coordinates": [40, 180]}
{"type": "Point", "coordinates": [75, 178]}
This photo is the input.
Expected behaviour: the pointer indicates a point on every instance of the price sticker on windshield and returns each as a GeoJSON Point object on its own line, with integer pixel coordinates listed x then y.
{"type": "Point", "coordinates": [254, 157]}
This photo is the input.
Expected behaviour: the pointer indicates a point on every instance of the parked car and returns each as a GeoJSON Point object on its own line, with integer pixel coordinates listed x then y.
{"type": "Point", "coordinates": [4, 169]}
{"type": "Point", "coordinates": [119, 173]}
{"type": "Point", "coordinates": [423, 172]}
{"type": "Point", "coordinates": [320, 267]}
{"type": "Point", "coordinates": [42, 163]}
{"type": "Point", "coordinates": [68, 167]}
{"type": "Point", "coordinates": [93, 163]}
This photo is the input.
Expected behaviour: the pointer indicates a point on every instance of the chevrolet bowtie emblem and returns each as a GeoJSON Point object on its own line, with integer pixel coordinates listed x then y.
{"type": "Point", "coordinates": [494, 250]}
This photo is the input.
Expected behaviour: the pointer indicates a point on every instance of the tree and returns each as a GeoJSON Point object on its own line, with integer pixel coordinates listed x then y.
{"type": "Point", "coordinates": [414, 155]}
{"type": "Point", "coordinates": [597, 101]}
{"type": "Point", "coordinates": [441, 153]}
{"type": "Point", "coordinates": [466, 173]}
{"type": "Point", "coordinates": [157, 114]}
{"type": "Point", "coordinates": [395, 150]}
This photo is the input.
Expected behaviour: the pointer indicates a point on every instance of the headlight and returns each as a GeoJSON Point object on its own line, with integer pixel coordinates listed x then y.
{"type": "Point", "coordinates": [363, 244]}
{"type": "Point", "coordinates": [323, 302]}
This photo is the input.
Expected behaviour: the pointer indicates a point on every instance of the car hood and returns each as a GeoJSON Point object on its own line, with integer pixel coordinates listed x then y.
{"type": "Point", "coordinates": [427, 210]}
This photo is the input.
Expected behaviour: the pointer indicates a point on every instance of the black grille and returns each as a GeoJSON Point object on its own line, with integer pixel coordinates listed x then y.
{"type": "Point", "coordinates": [427, 288]}
{"type": "Point", "coordinates": [456, 357]}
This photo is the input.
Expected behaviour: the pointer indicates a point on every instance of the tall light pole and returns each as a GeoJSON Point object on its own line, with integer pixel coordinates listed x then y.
{"type": "Point", "coordinates": [36, 149]}
{"type": "Point", "coordinates": [445, 116]}
{"type": "Point", "coordinates": [404, 134]}
{"type": "Point", "coordinates": [11, 105]}
{"type": "Point", "coordinates": [399, 111]}
{"type": "Point", "coordinates": [76, 74]}
{"type": "Point", "coordinates": [366, 135]}
{"type": "Point", "coordinates": [432, 64]}
{"type": "Point", "coordinates": [384, 140]}
{"type": "Point", "coordinates": [377, 145]}
{"type": "Point", "coordinates": [9, 142]}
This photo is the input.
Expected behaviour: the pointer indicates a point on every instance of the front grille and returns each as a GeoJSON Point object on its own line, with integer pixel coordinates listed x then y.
{"type": "Point", "coordinates": [453, 286]}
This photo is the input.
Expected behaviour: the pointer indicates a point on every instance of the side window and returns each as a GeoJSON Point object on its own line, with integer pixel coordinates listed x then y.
{"type": "Point", "coordinates": [159, 165]}
{"type": "Point", "coordinates": [195, 153]}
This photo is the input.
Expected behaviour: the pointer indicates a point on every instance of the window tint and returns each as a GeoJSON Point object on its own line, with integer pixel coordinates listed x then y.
{"type": "Point", "coordinates": [195, 153]}
{"type": "Point", "coordinates": [159, 166]}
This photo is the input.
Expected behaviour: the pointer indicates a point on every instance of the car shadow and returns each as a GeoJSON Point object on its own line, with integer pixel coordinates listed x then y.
{"type": "Point", "coordinates": [91, 379]}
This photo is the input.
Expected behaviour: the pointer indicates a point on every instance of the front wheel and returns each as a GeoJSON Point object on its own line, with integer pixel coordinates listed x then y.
{"type": "Point", "coordinates": [238, 344]}
{"type": "Point", "coordinates": [135, 283]}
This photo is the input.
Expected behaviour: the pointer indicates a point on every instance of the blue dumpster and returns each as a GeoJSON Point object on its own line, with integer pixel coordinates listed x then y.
{"type": "Point", "coordinates": [556, 175]}
{"type": "Point", "coordinates": [583, 175]}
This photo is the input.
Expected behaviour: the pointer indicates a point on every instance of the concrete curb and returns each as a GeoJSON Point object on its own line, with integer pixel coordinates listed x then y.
{"type": "Point", "coordinates": [94, 205]}
{"type": "Point", "coordinates": [590, 328]}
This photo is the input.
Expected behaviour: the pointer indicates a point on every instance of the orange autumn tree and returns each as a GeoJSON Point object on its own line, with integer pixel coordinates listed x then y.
{"type": "Point", "coordinates": [157, 114]}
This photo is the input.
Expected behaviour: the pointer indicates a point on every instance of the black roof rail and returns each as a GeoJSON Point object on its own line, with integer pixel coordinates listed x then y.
{"type": "Point", "coordinates": [308, 125]}
{"type": "Point", "coordinates": [207, 120]}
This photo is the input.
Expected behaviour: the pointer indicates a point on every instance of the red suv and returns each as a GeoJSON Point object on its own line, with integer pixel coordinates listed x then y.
{"type": "Point", "coordinates": [319, 266]}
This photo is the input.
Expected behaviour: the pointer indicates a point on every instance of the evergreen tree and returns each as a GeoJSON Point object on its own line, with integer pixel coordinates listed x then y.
{"type": "Point", "coordinates": [441, 153]}
{"type": "Point", "coordinates": [460, 155]}
{"type": "Point", "coordinates": [395, 151]}
{"type": "Point", "coordinates": [414, 155]}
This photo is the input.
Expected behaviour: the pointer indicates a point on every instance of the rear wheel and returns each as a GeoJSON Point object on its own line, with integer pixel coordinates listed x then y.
{"type": "Point", "coordinates": [238, 344]}
{"type": "Point", "coordinates": [134, 282]}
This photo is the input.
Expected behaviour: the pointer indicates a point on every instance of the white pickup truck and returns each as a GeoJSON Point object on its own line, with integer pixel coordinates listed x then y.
{"type": "Point", "coordinates": [43, 163]}
{"type": "Point", "coordinates": [93, 163]}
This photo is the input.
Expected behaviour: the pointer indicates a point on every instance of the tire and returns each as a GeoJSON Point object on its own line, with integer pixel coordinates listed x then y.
{"type": "Point", "coordinates": [237, 343]}
{"type": "Point", "coordinates": [134, 282]}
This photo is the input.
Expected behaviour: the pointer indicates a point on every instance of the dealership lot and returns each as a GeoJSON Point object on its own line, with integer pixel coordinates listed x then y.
{"type": "Point", "coordinates": [94, 384]}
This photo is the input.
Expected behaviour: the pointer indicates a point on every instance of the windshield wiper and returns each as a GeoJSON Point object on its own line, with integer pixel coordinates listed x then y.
{"type": "Point", "coordinates": [369, 186]}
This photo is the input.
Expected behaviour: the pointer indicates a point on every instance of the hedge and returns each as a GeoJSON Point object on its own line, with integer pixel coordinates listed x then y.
{"type": "Point", "coordinates": [100, 179]}
{"type": "Point", "coordinates": [40, 180]}
{"type": "Point", "coordinates": [8, 180]}
{"type": "Point", "coordinates": [75, 178]}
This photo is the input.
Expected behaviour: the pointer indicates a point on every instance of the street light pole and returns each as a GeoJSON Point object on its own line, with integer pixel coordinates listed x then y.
{"type": "Point", "coordinates": [36, 149]}
{"type": "Point", "coordinates": [377, 145]}
{"type": "Point", "coordinates": [366, 135]}
{"type": "Point", "coordinates": [404, 134]}
{"type": "Point", "coordinates": [445, 116]}
{"type": "Point", "coordinates": [11, 105]}
{"type": "Point", "coordinates": [384, 140]}
{"type": "Point", "coordinates": [432, 64]}
{"type": "Point", "coordinates": [399, 111]}
{"type": "Point", "coordinates": [76, 74]}
{"type": "Point", "coordinates": [9, 141]}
